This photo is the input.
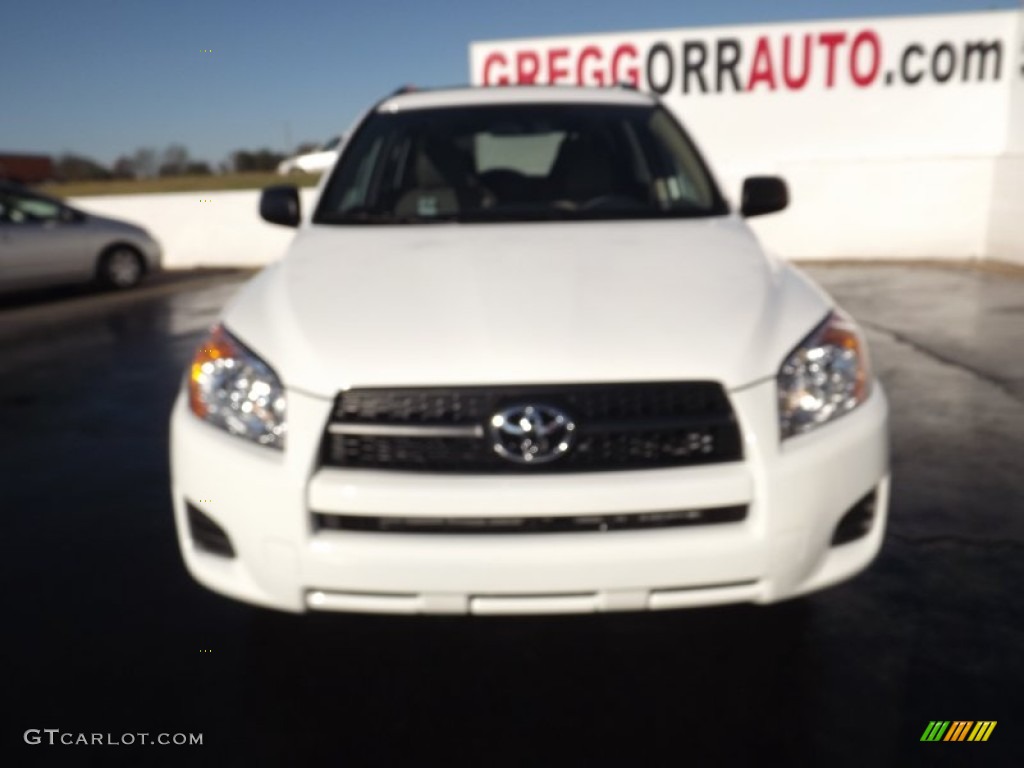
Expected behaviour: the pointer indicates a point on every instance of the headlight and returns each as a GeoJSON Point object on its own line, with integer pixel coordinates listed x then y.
{"type": "Point", "coordinates": [229, 386]}
{"type": "Point", "coordinates": [826, 376]}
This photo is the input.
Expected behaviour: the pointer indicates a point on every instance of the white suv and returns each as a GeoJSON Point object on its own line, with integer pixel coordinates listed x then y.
{"type": "Point", "coordinates": [523, 358]}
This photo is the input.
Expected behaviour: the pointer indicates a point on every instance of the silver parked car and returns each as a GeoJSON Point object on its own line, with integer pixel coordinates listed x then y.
{"type": "Point", "coordinates": [44, 241]}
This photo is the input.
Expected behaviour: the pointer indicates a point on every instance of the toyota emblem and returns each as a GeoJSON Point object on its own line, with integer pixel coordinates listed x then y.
{"type": "Point", "coordinates": [531, 433]}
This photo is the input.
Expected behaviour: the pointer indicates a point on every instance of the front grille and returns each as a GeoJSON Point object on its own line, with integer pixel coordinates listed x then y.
{"type": "Point", "coordinates": [558, 524]}
{"type": "Point", "coordinates": [618, 427]}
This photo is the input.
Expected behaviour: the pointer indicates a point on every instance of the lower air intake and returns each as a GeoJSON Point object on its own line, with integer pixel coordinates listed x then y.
{"type": "Point", "coordinates": [206, 534]}
{"type": "Point", "coordinates": [856, 522]}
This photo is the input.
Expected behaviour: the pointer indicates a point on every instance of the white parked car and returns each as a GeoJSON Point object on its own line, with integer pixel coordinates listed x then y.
{"type": "Point", "coordinates": [317, 161]}
{"type": "Point", "coordinates": [522, 357]}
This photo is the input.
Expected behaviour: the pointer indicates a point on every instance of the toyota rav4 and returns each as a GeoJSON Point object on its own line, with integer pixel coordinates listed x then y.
{"type": "Point", "coordinates": [523, 357]}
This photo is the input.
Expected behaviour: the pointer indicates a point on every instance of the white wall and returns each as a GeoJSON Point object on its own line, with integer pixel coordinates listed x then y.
{"type": "Point", "coordinates": [903, 139]}
{"type": "Point", "coordinates": [1006, 220]}
{"type": "Point", "coordinates": [203, 228]}
{"type": "Point", "coordinates": [876, 209]}
{"type": "Point", "coordinates": [1015, 137]}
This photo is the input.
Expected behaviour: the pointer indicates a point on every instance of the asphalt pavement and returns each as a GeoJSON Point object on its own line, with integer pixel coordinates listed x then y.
{"type": "Point", "coordinates": [108, 634]}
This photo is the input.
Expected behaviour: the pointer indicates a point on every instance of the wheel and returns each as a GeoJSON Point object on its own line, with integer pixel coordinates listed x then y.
{"type": "Point", "coordinates": [120, 267]}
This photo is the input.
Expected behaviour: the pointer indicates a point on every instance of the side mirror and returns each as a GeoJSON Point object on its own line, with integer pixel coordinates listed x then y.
{"type": "Point", "coordinates": [280, 205]}
{"type": "Point", "coordinates": [763, 194]}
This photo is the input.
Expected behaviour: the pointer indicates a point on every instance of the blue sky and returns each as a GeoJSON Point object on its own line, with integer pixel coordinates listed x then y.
{"type": "Point", "coordinates": [104, 77]}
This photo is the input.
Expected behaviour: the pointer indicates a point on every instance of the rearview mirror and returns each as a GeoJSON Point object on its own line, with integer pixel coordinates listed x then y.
{"type": "Point", "coordinates": [280, 205]}
{"type": "Point", "coordinates": [763, 194]}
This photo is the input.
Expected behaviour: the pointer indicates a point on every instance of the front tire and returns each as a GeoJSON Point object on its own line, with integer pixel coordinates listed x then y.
{"type": "Point", "coordinates": [120, 267]}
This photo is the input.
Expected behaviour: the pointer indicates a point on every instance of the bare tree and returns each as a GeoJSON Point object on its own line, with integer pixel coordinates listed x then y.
{"type": "Point", "coordinates": [146, 165]}
{"type": "Point", "coordinates": [198, 168]}
{"type": "Point", "coordinates": [124, 167]}
{"type": "Point", "coordinates": [246, 161]}
{"type": "Point", "coordinates": [70, 167]}
{"type": "Point", "coordinates": [175, 161]}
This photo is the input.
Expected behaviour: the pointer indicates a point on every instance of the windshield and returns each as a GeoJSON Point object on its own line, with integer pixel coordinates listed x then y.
{"type": "Point", "coordinates": [518, 162]}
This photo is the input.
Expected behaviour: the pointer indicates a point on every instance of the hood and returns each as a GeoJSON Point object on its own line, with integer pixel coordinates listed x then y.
{"type": "Point", "coordinates": [525, 303]}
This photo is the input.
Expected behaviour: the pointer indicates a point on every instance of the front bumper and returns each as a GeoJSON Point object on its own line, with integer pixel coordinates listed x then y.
{"type": "Point", "coordinates": [796, 494]}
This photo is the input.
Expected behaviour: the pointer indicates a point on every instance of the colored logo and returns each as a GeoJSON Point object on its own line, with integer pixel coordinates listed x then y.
{"type": "Point", "coordinates": [958, 730]}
